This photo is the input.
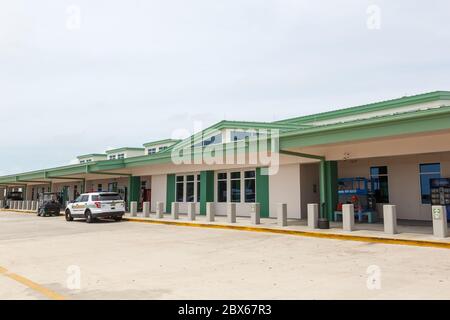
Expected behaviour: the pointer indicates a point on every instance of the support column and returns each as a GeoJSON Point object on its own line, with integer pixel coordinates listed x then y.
{"type": "Point", "coordinates": [331, 186]}
{"type": "Point", "coordinates": [170, 192]}
{"type": "Point", "coordinates": [134, 190]}
{"type": "Point", "coordinates": [262, 192]}
{"type": "Point", "coordinates": [206, 189]}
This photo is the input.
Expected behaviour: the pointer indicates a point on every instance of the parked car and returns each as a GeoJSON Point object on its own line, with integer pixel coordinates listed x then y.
{"type": "Point", "coordinates": [91, 206]}
{"type": "Point", "coordinates": [49, 204]}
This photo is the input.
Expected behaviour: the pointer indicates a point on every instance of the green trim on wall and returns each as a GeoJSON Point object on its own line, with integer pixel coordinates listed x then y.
{"type": "Point", "coordinates": [392, 125]}
{"type": "Point", "coordinates": [262, 193]}
{"type": "Point", "coordinates": [206, 189]}
{"type": "Point", "coordinates": [170, 192]}
{"type": "Point", "coordinates": [134, 187]}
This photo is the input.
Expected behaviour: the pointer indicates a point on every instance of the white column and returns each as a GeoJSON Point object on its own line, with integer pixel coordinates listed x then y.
{"type": "Point", "coordinates": [133, 208]}
{"type": "Point", "coordinates": [175, 210]}
{"type": "Point", "coordinates": [210, 211]}
{"type": "Point", "coordinates": [255, 214]}
{"type": "Point", "coordinates": [313, 215]}
{"type": "Point", "coordinates": [348, 217]}
{"type": "Point", "coordinates": [231, 212]}
{"type": "Point", "coordinates": [439, 215]}
{"type": "Point", "coordinates": [390, 219]}
{"type": "Point", "coordinates": [159, 210]}
{"type": "Point", "coordinates": [282, 214]}
{"type": "Point", "coordinates": [191, 211]}
{"type": "Point", "coordinates": [146, 209]}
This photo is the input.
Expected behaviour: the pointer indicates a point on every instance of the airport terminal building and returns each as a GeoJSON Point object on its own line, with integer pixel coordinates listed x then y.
{"type": "Point", "coordinates": [395, 152]}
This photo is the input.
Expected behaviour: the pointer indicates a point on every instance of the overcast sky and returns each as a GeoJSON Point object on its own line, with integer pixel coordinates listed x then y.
{"type": "Point", "coordinates": [82, 76]}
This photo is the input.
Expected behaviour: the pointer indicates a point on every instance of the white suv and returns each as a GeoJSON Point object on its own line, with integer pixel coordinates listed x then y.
{"type": "Point", "coordinates": [96, 205]}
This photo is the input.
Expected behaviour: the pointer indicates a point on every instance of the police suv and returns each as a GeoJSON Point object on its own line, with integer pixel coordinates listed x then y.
{"type": "Point", "coordinates": [96, 205]}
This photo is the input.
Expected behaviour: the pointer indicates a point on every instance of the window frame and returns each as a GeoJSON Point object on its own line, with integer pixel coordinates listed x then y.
{"type": "Point", "coordinates": [421, 174]}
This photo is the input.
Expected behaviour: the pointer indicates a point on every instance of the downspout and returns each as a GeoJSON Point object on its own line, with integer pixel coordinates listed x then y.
{"type": "Point", "coordinates": [323, 221]}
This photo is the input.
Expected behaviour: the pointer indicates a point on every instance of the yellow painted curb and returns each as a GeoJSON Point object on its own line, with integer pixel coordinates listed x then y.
{"type": "Point", "coordinates": [32, 285]}
{"type": "Point", "coordinates": [335, 236]}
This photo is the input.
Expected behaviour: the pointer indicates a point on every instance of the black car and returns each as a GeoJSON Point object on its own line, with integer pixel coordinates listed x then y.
{"type": "Point", "coordinates": [49, 204]}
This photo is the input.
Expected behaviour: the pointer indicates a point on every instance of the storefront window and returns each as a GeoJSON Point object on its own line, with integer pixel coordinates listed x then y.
{"type": "Point", "coordinates": [235, 187]}
{"type": "Point", "coordinates": [250, 186]}
{"type": "Point", "coordinates": [380, 185]}
{"type": "Point", "coordinates": [180, 189]}
{"type": "Point", "coordinates": [222, 187]}
{"type": "Point", "coordinates": [428, 171]}
{"type": "Point", "coordinates": [190, 188]}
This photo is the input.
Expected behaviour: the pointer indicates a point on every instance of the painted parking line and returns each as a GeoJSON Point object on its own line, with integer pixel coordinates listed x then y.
{"type": "Point", "coordinates": [322, 235]}
{"type": "Point", "coordinates": [32, 285]}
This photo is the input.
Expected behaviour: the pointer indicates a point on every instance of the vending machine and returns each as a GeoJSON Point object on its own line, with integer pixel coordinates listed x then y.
{"type": "Point", "coordinates": [440, 193]}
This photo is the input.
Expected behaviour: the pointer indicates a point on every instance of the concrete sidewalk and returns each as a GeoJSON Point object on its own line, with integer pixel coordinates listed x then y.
{"type": "Point", "coordinates": [417, 235]}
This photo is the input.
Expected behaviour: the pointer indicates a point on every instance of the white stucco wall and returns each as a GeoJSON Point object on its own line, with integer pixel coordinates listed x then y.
{"type": "Point", "coordinates": [284, 187]}
{"type": "Point", "coordinates": [159, 185]}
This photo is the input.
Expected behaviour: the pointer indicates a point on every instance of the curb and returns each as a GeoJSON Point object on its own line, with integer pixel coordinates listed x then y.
{"type": "Point", "coordinates": [334, 236]}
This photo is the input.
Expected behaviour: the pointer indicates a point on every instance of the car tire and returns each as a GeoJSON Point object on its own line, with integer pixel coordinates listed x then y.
{"type": "Point", "coordinates": [68, 216]}
{"type": "Point", "coordinates": [89, 217]}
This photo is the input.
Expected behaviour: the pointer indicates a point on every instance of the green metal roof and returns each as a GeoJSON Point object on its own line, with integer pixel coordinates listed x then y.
{"type": "Point", "coordinates": [92, 155]}
{"type": "Point", "coordinates": [371, 107]}
{"type": "Point", "coordinates": [164, 141]}
{"type": "Point", "coordinates": [124, 149]}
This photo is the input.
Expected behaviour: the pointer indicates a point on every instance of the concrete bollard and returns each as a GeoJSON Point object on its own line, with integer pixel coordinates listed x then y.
{"type": "Point", "coordinates": [255, 214]}
{"type": "Point", "coordinates": [1, 204]}
{"type": "Point", "coordinates": [146, 209]}
{"type": "Point", "coordinates": [282, 214]}
{"type": "Point", "coordinates": [28, 205]}
{"type": "Point", "coordinates": [390, 219]}
{"type": "Point", "coordinates": [191, 211]}
{"type": "Point", "coordinates": [439, 215]}
{"type": "Point", "coordinates": [175, 210]}
{"type": "Point", "coordinates": [159, 210]}
{"type": "Point", "coordinates": [36, 206]}
{"type": "Point", "coordinates": [210, 211]}
{"type": "Point", "coordinates": [348, 217]}
{"type": "Point", "coordinates": [133, 208]}
{"type": "Point", "coordinates": [231, 212]}
{"type": "Point", "coordinates": [67, 203]}
{"type": "Point", "coordinates": [313, 215]}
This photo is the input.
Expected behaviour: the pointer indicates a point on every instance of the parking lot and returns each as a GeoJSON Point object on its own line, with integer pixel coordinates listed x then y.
{"type": "Point", "coordinates": [40, 259]}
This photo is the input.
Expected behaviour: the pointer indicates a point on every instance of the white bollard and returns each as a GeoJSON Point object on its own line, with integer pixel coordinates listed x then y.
{"type": "Point", "coordinates": [439, 216]}
{"type": "Point", "coordinates": [1, 204]}
{"type": "Point", "coordinates": [146, 209]}
{"type": "Point", "coordinates": [390, 219]}
{"type": "Point", "coordinates": [348, 217]}
{"type": "Point", "coordinates": [28, 205]}
{"type": "Point", "coordinates": [175, 210]}
{"type": "Point", "coordinates": [231, 212]}
{"type": "Point", "coordinates": [210, 211]}
{"type": "Point", "coordinates": [313, 215]}
{"type": "Point", "coordinates": [133, 208]}
{"type": "Point", "coordinates": [255, 214]}
{"type": "Point", "coordinates": [36, 206]}
{"type": "Point", "coordinates": [282, 214]}
{"type": "Point", "coordinates": [191, 211]}
{"type": "Point", "coordinates": [159, 210]}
